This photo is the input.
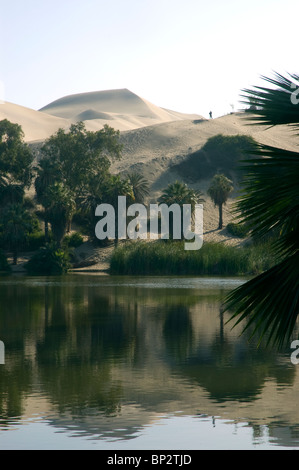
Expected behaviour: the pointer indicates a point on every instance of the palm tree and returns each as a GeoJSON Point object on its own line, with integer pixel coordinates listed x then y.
{"type": "Point", "coordinates": [118, 186]}
{"type": "Point", "coordinates": [270, 200]}
{"type": "Point", "coordinates": [219, 190]}
{"type": "Point", "coordinates": [139, 185]}
{"type": "Point", "coordinates": [18, 223]}
{"type": "Point", "coordinates": [47, 175]}
{"type": "Point", "coordinates": [60, 206]}
{"type": "Point", "coordinates": [179, 193]}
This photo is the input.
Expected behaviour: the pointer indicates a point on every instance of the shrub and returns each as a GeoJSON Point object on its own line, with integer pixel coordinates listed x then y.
{"type": "Point", "coordinates": [237, 230]}
{"type": "Point", "coordinates": [36, 240]}
{"type": "Point", "coordinates": [74, 240]}
{"type": "Point", "coordinates": [49, 260]}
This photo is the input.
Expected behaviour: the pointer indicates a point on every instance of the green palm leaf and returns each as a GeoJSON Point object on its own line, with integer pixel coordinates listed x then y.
{"type": "Point", "coordinates": [274, 106]}
{"type": "Point", "coordinates": [270, 201]}
{"type": "Point", "coordinates": [269, 302]}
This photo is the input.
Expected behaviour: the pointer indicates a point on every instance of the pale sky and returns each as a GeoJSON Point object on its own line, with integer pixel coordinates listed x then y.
{"type": "Point", "coordinates": [190, 56]}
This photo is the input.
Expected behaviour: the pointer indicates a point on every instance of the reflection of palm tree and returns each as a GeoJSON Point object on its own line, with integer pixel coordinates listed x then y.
{"type": "Point", "coordinates": [271, 201]}
{"type": "Point", "coordinates": [178, 332]}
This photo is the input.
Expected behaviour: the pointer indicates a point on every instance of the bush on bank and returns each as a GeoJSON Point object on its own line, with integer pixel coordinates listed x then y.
{"type": "Point", "coordinates": [49, 260]}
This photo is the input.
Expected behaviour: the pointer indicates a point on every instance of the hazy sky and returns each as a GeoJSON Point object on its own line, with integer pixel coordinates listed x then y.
{"type": "Point", "coordinates": [187, 55]}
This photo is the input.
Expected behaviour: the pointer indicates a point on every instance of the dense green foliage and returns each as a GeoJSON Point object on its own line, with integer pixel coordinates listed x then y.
{"type": "Point", "coordinates": [74, 240]}
{"type": "Point", "coordinates": [49, 260]}
{"type": "Point", "coordinates": [237, 229]}
{"type": "Point", "coordinates": [169, 257]}
{"type": "Point", "coordinates": [15, 155]}
{"type": "Point", "coordinates": [16, 226]}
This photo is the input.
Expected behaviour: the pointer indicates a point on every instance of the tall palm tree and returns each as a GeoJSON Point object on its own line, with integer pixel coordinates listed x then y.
{"type": "Point", "coordinates": [179, 193]}
{"type": "Point", "coordinates": [18, 223]}
{"type": "Point", "coordinates": [47, 174]}
{"type": "Point", "coordinates": [270, 200]}
{"type": "Point", "coordinates": [219, 190]}
{"type": "Point", "coordinates": [139, 185]}
{"type": "Point", "coordinates": [60, 206]}
{"type": "Point", "coordinates": [118, 186]}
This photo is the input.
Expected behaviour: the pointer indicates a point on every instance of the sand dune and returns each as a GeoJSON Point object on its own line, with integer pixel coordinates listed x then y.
{"type": "Point", "coordinates": [36, 125]}
{"type": "Point", "coordinates": [154, 149]}
{"type": "Point", "coordinates": [121, 109]}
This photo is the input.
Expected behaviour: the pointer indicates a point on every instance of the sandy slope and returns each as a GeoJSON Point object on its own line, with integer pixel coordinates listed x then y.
{"type": "Point", "coordinates": [36, 125]}
{"type": "Point", "coordinates": [154, 150]}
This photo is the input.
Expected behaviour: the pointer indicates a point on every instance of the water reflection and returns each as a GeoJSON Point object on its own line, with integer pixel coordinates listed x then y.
{"type": "Point", "coordinates": [111, 357]}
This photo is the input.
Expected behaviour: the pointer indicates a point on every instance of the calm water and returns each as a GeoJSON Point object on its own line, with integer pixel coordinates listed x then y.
{"type": "Point", "coordinates": [98, 362]}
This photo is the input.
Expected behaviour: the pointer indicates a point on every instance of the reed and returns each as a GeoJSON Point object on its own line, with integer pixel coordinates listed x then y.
{"type": "Point", "coordinates": [169, 258]}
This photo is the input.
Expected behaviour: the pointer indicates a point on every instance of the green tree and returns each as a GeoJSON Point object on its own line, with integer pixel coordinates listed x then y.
{"type": "Point", "coordinates": [78, 155]}
{"type": "Point", "coordinates": [60, 206]}
{"type": "Point", "coordinates": [15, 155]}
{"type": "Point", "coordinates": [179, 193]}
{"type": "Point", "coordinates": [80, 160]}
{"type": "Point", "coordinates": [219, 190]}
{"type": "Point", "coordinates": [47, 175]}
{"type": "Point", "coordinates": [17, 225]}
{"type": "Point", "coordinates": [11, 194]}
{"type": "Point", "coordinates": [140, 186]}
{"type": "Point", "coordinates": [270, 200]}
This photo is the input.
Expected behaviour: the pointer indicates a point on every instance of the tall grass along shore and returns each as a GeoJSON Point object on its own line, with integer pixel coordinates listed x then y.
{"type": "Point", "coordinates": [169, 257]}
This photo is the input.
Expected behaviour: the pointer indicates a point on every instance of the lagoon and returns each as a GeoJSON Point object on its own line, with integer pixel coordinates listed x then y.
{"type": "Point", "coordinates": [117, 363]}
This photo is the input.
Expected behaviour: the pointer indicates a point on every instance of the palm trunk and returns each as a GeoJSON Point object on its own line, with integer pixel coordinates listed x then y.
{"type": "Point", "coordinates": [220, 217]}
{"type": "Point", "coordinates": [46, 230]}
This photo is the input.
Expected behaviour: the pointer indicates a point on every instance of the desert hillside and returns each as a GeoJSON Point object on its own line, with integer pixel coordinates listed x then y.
{"type": "Point", "coordinates": [155, 141]}
{"type": "Point", "coordinates": [36, 126]}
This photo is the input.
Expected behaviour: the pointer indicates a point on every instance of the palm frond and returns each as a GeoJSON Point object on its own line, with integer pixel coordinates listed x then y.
{"type": "Point", "coordinates": [269, 302]}
{"type": "Point", "coordinates": [273, 106]}
{"type": "Point", "coordinates": [270, 197]}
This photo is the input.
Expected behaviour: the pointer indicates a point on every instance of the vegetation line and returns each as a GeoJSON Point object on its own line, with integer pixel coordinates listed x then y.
{"type": "Point", "coordinates": [169, 257]}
